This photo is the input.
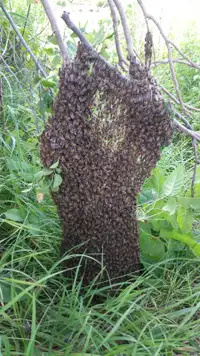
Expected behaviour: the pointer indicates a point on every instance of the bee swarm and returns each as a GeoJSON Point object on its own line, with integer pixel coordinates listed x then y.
{"type": "Point", "coordinates": [106, 131]}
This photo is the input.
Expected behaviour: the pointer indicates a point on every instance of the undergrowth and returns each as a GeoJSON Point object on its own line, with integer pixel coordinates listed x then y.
{"type": "Point", "coordinates": [43, 313]}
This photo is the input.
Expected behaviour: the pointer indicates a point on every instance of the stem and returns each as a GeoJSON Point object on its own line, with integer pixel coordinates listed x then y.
{"type": "Point", "coordinates": [56, 31]}
{"type": "Point", "coordinates": [37, 63]}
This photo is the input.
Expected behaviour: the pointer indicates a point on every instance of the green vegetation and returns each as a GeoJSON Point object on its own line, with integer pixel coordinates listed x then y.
{"type": "Point", "coordinates": [41, 313]}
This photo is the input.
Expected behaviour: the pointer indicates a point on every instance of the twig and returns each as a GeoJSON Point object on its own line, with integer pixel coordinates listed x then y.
{"type": "Point", "coordinates": [83, 39]}
{"type": "Point", "coordinates": [195, 65]}
{"type": "Point", "coordinates": [166, 61]}
{"type": "Point", "coordinates": [167, 43]}
{"type": "Point", "coordinates": [56, 31]}
{"type": "Point", "coordinates": [181, 117]}
{"type": "Point", "coordinates": [189, 107]}
{"type": "Point", "coordinates": [194, 145]}
{"type": "Point", "coordinates": [75, 29]}
{"type": "Point", "coordinates": [6, 45]}
{"type": "Point", "coordinates": [37, 63]}
{"type": "Point", "coordinates": [197, 161]}
{"type": "Point", "coordinates": [10, 70]}
{"type": "Point", "coordinates": [116, 33]}
{"type": "Point", "coordinates": [184, 129]}
{"type": "Point", "coordinates": [131, 50]}
{"type": "Point", "coordinates": [2, 108]}
{"type": "Point", "coordinates": [27, 16]}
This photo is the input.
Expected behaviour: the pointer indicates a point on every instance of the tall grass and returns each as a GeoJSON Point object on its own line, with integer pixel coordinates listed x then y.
{"type": "Point", "coordinates": [43, 313]}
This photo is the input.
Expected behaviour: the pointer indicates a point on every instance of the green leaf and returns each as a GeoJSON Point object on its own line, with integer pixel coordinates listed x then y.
{"type": "Point", "coordinates": [48, 83]}
{"type": "Point", "coordinates": [170, 206]}
{"type": "Point", "coordinates": [189, 202]}
{"type": "Point", "coordinates": [44, 190]}
{"type": "Point", "coordinates": [49, 51]}
{"type": "Point", "coordinates": [57, 181]}
{"type": "Point", "coordinates": [52, 39]}
{"type": "Point", "coordinates": [186, 239]}
{"type": "Point", "coordinates": [5, 292]}
{"type": "Point", "coordinates": [184, 219]}
{"type": "Point", "coordinates": [54, 165]}
{"type": "Point", "coordinates": [197, 177]}
{"type": "Point", "coordinates": [153, 247]}
{"type": "Point", "coordinates": [47, 171]}
{"type": "Point", "coordinates": [14, 214]}
{"type": "Point", "coordinates": [174, 182]}
{"type": "Point", "coordinates": [196, 77]}
{"type": "Point", "coordinates": [156, 181]}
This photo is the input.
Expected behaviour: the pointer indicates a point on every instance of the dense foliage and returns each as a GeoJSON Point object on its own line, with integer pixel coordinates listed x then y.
{"type": "Point", "coordinates": [155, 314]}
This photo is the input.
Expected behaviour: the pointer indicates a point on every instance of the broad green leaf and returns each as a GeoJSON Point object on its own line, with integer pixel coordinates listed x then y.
{"type": "Point", "coordinates": [54, 165]}
{"type": "Point", "coordinates": [170, 206]}
{"type": "Point", "coordinates": [42, 190]}
{"type": "Point", "coordinates": [57, 181]}
{"type": "Point", "coordinates": [49, 51]}
{"type": "Point", "coordinates": [156, 181]}
{"type": "Point", "coordinates": [184, 219]}
{"type": "Point", "coordinates": [186, 239]}
{"type": "Point", "coordinates": [14, 214]}
{"type": "Point", "coordinates": [52, 39]}
{"type": "Point", "coordinates": [47, 171]}
{"type": "Point", "coordinates": [174, 182]}
{"type": "Point", "coordinates": [48, 83]}
{"type": "Point", "coordinates": [151, 246]}
{"type": "Point", "coordinates": [189, 202]}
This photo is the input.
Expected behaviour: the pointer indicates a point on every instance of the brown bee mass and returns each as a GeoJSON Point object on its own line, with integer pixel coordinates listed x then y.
{"type": "Point", "coordinates": [106, 131]}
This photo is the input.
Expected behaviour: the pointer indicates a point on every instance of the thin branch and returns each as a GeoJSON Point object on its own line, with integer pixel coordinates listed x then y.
{"type": "Point", "coordinates": [27, 16]}
{"type": "Point", "coordinates": [189, 107]}
{"type": "Point", "coordinates": [37, 63]}
{"type": "Point", "coordinates": [181, 117]}
{"type": "Point", "coordinates": [167, 43]}
{"type": "Point", "coordinates": [75, 29]}
{"type": "Point", "coordinates": [10, 70]}
{"type": "Point", "coordinates": [116, 33]}
{"type": "Point", "coordinates": [194, 144]}
{"type": "Point", "coordinates": [6, 45]}
{"type": "Point", "coordinates": [56, 31]}
{"type": "Point", "coordinates": [193, 64]}
{"type": "Point", "coordinates": [83, 39]}
{"type": "Point", "coordinates": [131, 50]}
{"type": "Point", "coordinates": [184, 129]}
{"type": "Point", "coordinates": [2, 108]}
{"type": "Point", "coordinates": [166, 61]}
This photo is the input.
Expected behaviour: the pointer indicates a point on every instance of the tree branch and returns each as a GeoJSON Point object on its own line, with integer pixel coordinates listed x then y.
{"type": "Point", "coordinates": [56, 31]}
{"type": "Point", "coordinates": [83, 39]}
{"type": "Point", "coordinates": [75, 29]}
{"type": "Point", "coordinates": [184, 129]}
{"type": "Point", "coordinates": [167, 43]}
{"type": "Point", "coordinates": [166, 61]}
{"type": "Point", "coordinates": [37, 63]}
{"type": "Point", "coordinates": [192, 64]}
{"type": "Point", "coordinates": [116, 33]}
{"type": "Point", "coordinates": [131, 50]}
{"type": "Point", "coordinates": [189, 107]}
